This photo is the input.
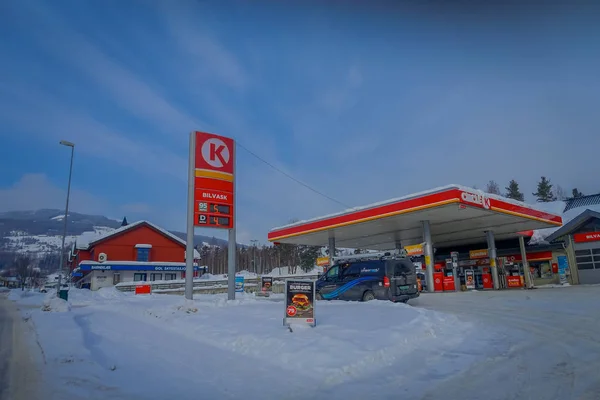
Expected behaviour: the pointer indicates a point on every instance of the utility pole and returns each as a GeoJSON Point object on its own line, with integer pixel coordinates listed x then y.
{"type": "Point", "coordinates": [254, 241]}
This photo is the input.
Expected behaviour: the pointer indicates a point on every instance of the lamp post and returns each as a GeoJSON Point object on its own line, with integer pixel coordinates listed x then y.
{"type": "Point", "coordinates": [254, 241]}
{"type": "Point", "coordinates": [62, 247]}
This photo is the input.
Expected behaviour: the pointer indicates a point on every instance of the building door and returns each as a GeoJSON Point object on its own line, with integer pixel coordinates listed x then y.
{"type": "Point", "coordinates": [587, 256]}
{"type": "Point", "coordinates": [116, 278]}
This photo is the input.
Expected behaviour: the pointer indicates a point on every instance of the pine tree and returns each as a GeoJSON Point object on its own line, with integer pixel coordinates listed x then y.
{"type": "Point", "coordinates": [124, 223]}
{"type": "Point", "coordinates": [577, 193]}
{"type": "Point", "coordinates": [492, 188]}
{"type": "Point", "coordinates": [544, 191]}
{"type": "Point", "coordinates": [513, 192]}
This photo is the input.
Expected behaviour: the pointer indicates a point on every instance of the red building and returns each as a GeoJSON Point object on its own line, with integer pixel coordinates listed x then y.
{"type": "Point", "coordinates": [140, 251]}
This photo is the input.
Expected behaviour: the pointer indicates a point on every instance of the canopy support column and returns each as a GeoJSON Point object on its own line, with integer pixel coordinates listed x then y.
{"type": "Point", "coordinates": [428, 255]}
{"type": "Point", "coordinates": [526, 271]}
{"type": "Point", "coordinates": [331, 249]}
{"type": "Point", "coordinates": [491, 241]}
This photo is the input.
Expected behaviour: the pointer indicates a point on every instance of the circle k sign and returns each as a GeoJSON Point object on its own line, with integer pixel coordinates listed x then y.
{"type": "Point", "coordinates": [476, 198]}
{"type": "Point", "coordinates": [216, 153]}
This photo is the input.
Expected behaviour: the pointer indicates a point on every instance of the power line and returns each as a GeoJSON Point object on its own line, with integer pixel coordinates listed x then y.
{"type": "Point", "coordinates": [291, 177]}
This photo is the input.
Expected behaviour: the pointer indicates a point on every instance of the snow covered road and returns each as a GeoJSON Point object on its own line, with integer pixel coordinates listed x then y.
{"type": "Point", "coordinates": [551, 341]}
{"type": "Point", "coordinates": [540, 344]}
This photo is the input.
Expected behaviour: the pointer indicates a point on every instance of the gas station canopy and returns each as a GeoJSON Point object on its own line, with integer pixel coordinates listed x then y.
{"type": "Point", "coordinates": [457, 215]}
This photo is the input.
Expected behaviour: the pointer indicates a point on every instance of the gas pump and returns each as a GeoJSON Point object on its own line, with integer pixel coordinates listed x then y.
{"type": "Point", "coordinates": [450, 275]}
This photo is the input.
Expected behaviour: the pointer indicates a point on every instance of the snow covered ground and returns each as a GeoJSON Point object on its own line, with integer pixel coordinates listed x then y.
{"type": "Point", "coordinates": [494, 345]}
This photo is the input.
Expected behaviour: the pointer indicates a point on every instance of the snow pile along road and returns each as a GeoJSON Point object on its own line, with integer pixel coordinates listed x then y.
{"type": "Point", "coordinates": [117, 345]}
{"type": "Point", "coordinates": [497, 345]}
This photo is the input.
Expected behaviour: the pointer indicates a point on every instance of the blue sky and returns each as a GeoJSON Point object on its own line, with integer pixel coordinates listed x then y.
{"type": "Point", "coordinates": [362, 103]}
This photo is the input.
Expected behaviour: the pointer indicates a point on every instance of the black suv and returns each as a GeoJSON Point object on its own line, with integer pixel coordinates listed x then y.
{"type": "Point", "coordinates": [365, 278]}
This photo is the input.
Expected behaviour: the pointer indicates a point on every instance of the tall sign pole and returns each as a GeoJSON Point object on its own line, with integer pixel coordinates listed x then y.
{"type": "Point", "coordinates": [211, 198]}
{"type": "Point", "coordinates": [189, 243]}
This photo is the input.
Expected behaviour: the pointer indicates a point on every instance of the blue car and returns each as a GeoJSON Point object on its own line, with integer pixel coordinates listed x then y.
{"type": "Point", "coordinates": [365, 277]}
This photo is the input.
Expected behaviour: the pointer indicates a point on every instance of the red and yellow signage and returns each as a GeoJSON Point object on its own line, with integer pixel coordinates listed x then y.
{"type": "Point", "coordinates": [414, 250]}
{"type": "Point", "coordinates": [586, 237]}
{"type": "Point", "coordinates": [214, 181]}
{"type": "Point", "coordinates": [537, 256]}
{"type": "Point", "coordinates": [453, 195]}
{"type": "Point", "coordinates": [475, 254]}
{"type": "Point", "coordinates": [514, 281]}
{"type": "Point", "coordinates": [322, 261]}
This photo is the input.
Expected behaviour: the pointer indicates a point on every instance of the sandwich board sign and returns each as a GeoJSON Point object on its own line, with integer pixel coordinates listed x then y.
{"type": "Point", "coordinates": [470, 279]}
{"type": "Point", "coordinates": [266, 283]}
{"type": "Point", "coordinates": [299, 302]}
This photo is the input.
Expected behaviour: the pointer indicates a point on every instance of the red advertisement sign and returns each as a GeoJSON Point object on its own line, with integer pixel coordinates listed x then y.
{"type": "Point", "coordinates": [487, 280]}
{"type": "Point", "coordinates": [586, 237]}
{"type": "Point", "coordinates": [438, 284]}
{"type": "Point", "coordinates": [449, 285]}
{"type": "Point", "coordinates": [513, 281]}
{"type": "Point", "coordinates": [214, 181]}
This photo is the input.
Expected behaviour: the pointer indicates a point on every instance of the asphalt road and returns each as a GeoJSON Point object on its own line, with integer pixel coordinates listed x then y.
{"type": "Point", "coordinates": [18, 372]}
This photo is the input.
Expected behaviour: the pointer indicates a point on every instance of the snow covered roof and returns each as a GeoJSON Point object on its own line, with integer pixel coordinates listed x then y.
{"type": "Point", "coordinates": [583, 201]}
{"type": "Point", "coordinates": [573, 224]}
{"type": "Point", "coordinates": [420, 194]}
{"type": "Point", "coordinates": [87, 239]}
{"type": "Point", "coordinates": [541, 236]}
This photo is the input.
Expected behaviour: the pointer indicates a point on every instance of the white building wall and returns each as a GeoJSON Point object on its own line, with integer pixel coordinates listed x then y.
{"type": "Point", "coordinates": [100, 279]}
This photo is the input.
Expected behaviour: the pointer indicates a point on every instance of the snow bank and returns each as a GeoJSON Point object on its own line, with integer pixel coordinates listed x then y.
{"type": "Point", "coordinates": [56, 304]}
{"type": "Point", "coordinates": [285, 271]}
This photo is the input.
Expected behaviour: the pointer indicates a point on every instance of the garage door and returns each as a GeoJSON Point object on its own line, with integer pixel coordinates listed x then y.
{"type": "Point", "coordinates": [588, 265]}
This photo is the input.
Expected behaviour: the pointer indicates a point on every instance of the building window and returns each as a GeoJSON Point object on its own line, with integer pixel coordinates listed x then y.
{"type": "Point", "coordinates": [143, 254]}
{"type": "Point", "coordinates": [170, 277]}
{"type": "Point", "coordinates": [588, 259]}
{"type": "Point", "coordinates": [140, 277]}
{"type": "Point", "coordinates": [116, 278]}
{"type": "Point", "coordinates": [156, 277]}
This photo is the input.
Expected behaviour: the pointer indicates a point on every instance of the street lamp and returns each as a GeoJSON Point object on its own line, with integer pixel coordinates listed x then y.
{"type": "Point", "coordinates": [62, 248]}
{"type": "Point", "coordinates": [254, 241]}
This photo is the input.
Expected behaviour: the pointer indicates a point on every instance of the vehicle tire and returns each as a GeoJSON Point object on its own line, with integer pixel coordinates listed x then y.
{"type": "Point", "coordinates": [318, 296]}
{"type": "Point", "coordinates": [368, 296]}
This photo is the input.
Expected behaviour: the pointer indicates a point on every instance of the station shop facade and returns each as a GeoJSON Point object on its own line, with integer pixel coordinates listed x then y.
{"type": "Point", "coordinates": [140, 251]}
{"type": "Point", "coordinates": [542, 262]}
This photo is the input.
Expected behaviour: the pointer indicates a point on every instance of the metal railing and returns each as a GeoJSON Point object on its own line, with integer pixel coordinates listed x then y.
{"type": "Point", "coordinates": [208, 286]}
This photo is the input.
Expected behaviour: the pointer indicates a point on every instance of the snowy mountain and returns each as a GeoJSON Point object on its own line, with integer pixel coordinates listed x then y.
{"type": "Point", "coordinates": [39, 233]}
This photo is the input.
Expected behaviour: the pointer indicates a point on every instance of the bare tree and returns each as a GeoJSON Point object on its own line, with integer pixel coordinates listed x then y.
{"type": "Point", "coordinates": [559, 193]}
{"type": "Point", "coordinates": [493, 188]}
{"type": "Point", "coordinates": [22, 267]}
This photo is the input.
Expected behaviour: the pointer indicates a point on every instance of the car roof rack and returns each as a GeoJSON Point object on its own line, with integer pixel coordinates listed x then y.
{"type": "Point", "coordinates": [380, 255]}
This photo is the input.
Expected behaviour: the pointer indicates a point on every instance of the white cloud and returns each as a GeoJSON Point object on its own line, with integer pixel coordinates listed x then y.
{"type": "Point", "coordinates": [126, 89]}
{"type": "Point", "coordinates": [36, 191]}
{"type": "Point", "coordinates": [205, 57]}
{"type": "Point", "coordinates": [136, 208]}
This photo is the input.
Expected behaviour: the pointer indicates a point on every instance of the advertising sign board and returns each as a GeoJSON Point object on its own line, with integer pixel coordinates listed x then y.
{"type": "Point", "coordinates": [266, 283]}
{"type": "Point", "coordinates": [415, 249]}
{"type": "Point", "coordinates": [322, 261]}
{"type": "Point", "coordinates": [299, 302]}
{"type": "Point", "coordinates": [470, 279]}
{"type": "Point", "coordinates": [214, 181]}
{"type": "Point", "coordinates": [563, 265]}
{"type": "Point", "coordinates": [474, 254]}
{"type": "Point", "coordinates": [211, 198]}
{"type": "Point", "coordinates": [239, 284]}
{"type": "Point", "coordinates": [514, 281]}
